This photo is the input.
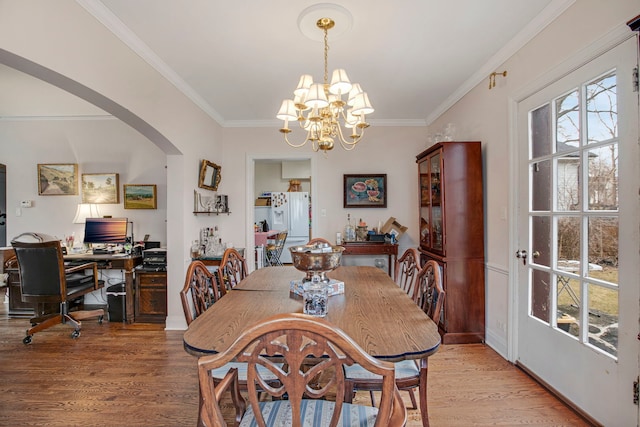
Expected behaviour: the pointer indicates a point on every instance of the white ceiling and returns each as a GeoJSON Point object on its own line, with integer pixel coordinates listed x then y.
{"type": "Point", "coordinates": [239, 59]}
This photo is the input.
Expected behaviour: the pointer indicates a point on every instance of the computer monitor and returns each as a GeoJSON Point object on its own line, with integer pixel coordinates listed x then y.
{"type": "Point", "coordinates": [105, 230]}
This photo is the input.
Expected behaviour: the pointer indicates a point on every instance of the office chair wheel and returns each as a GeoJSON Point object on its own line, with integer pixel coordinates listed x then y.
{"type": "Point", "coordinates": [27, 340]}
{"type": "Point", "coordinates": [100, 319]}
{"type": "Point", "coordinates": [75, 334]}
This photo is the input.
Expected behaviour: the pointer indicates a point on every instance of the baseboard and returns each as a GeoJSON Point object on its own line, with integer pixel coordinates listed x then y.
{"type": "Point", "coordinates": [586, 417]}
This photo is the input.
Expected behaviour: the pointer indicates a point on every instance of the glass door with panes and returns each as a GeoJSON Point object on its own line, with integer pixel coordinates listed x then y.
{"type": "Point", "coordinates": [578, 268]}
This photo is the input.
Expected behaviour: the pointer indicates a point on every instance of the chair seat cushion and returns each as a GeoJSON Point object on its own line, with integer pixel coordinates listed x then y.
{"type": "Point", "coordinates": [404, 369]}
{"type": "Point", "coordinates": [315, 413]}
{"type": "Point", "coordinates": [266, 374]}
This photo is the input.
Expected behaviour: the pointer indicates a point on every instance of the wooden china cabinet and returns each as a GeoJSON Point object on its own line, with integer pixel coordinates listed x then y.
{"type": "Point", "coordinates": [452, 234]}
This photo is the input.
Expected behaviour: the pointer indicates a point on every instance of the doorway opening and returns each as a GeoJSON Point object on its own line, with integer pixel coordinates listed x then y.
{"type": "Point", "coordinates": [269, 173]}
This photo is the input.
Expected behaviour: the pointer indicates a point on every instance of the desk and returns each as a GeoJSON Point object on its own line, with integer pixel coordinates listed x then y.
{"type": "Point", "coordinates": [372, 248]}
{"type": "Point", "coordinates": [116, 262]}
{"type": "Point", "coordinates": [373, 311]}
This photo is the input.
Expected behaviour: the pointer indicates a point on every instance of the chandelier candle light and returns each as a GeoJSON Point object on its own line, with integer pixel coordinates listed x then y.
{"type": "Point", "coordinates": [325, 107]}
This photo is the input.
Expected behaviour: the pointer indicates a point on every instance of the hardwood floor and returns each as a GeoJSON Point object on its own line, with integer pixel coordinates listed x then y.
{"type": "Point", "coordinates": [139, 375]}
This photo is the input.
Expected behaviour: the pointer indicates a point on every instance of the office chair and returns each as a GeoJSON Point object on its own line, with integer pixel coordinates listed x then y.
{"type": "Point", "coordinates": [45, 282]}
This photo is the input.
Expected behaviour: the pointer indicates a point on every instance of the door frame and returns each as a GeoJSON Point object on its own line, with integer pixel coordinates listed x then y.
{"type": "Point", "coordinates": [251, 197]}
{"type": "Point", "coordinates": [609, 41]}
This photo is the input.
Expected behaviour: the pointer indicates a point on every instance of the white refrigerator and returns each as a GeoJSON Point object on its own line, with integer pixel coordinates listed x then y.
{"type": "Point", "coordinates": [290, 211]}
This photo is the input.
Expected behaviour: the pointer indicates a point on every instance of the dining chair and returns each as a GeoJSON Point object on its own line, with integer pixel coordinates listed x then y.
{"type": "Point", "coordinates": [312, 349]}
{"type": "Point", "coordinates": [273, 251]}
{"type": "Point", "coordinates": [201, 290]}
{"type": "Point", "coordinates": [410, 374]}
{"type": "Point", "coordinates": [50, 287]}
{"type": "Point", "coordinates": [232, 269]}
{"type": "Point", "coordinates": [406, 271]}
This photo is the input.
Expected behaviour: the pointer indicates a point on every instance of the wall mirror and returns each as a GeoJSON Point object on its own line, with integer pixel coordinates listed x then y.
{"type": "Point", "coordinates": [210, 175]}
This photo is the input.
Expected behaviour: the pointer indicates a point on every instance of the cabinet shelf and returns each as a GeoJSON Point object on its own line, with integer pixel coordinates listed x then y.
{"type": "Point", "coordinates": [210, 213]}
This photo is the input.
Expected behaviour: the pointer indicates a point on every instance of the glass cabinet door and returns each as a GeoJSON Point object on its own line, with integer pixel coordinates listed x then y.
{"type": "Point", "coordinates": [425, 204]}
{"type": "Point", "coordinates": [436, 201]}
{"type": "Point", "coordinates": [431, 225]}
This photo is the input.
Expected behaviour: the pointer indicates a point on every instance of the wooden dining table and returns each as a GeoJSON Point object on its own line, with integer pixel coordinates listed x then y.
{"type": "Point", "coordinates": [373, 311]}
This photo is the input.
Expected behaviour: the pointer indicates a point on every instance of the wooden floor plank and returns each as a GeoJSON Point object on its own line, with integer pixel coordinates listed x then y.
{"type": "Point", "coordinates": [140, 375]}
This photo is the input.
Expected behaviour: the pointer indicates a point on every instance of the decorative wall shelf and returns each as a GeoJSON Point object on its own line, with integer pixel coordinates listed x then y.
{"type": "Point", "coordinates": [210, 213]}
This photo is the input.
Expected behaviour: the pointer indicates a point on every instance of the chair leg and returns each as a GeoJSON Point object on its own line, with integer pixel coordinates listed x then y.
{"type": "Point", "coordinates": [45, 324]}
{"type": "Point", "coordinates": [422, 391]}
{"type": "Point", "coordinates": [412, 396]}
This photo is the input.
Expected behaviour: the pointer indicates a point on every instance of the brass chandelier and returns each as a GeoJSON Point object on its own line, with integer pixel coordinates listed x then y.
{"type": "Point", "coordinates": [325, 107]}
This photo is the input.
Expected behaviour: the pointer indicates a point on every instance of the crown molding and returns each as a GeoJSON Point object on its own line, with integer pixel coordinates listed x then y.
{"type": "Point", "coordinates": [120, 30]}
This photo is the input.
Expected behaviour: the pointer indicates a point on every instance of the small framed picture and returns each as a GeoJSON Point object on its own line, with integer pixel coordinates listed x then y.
{"type": "Point", "coordinates": [140, 196]}
{"type": "Point", "coordinates": [365, 191]}
{"type": "Point", "coordinates": [58, 179]}
{"type": "Point", "coordinates": [100, 188]}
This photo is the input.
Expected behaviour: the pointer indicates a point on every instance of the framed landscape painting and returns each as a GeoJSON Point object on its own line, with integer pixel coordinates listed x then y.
{"type": "Point", "coordinates": [100, 188]}
{"type": "Point", "coordinates": [58, 179]}
{"type": "Point", "coordinates": [365, 191]}
{"type": "Point", "coordinates": [140, 196]}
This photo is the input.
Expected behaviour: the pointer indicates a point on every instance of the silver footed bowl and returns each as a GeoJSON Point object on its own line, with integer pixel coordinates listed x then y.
{"type": "Point", "coordinates": [316, 260]}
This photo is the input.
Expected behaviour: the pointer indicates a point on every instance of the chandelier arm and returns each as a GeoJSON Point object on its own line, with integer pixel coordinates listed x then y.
{"type": "Point", "coordinates": [286, 138]}
{"type": "Point", "coordinates": [347, 145]}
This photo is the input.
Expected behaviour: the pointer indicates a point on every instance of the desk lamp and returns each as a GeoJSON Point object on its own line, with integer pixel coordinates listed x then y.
{"type": "Point", "coordinates": [84, 211]}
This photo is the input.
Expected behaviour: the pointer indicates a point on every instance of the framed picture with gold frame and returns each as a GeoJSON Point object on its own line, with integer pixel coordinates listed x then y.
{"type": "Point", "coordinates": [58, 179]}
{"type": "Point", "coordinates": [100, 188]}
{"type": "Point", "coordinates": [140, 196]}
{"type": "Point", "coordinates": [210, 175]}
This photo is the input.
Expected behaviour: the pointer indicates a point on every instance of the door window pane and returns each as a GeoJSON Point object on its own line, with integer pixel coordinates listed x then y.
{"type": "Point", "coordinates": [567, 121]}
{"type": "Point", "coordinates": [603, 318]}
{"type": "Point", "coordinates": [541, 240]}
{"type": "Point", "coordinates": [568, 304]}
{"type": "Point", "coordinates": [602, 114]}
{"type": "Point", "coordinates": [603, 248]}
{"type": "Point", "coordinates": [568, 241]}
{"type": "Point", "coordinates": [603, 177]}
{"type": "Point", "coordinates": [541, 186]}
{"type": "Point", "coordinates": [568, 182]}
{"type": "Point", "coordinates": [541, 131]}
{"type": "Point", "coordinates": [540, 301]}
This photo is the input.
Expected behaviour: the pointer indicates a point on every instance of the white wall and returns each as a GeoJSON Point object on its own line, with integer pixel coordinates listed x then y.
{"type": "Point", "coordinates": [483, 115]}
{"type": "Point", "coordinates": [373, 155]}
{"type": "Point", "coordinates": [97, 146]}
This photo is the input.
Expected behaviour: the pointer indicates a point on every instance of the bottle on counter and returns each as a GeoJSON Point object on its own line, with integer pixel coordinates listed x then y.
{"type": "Point", "coordinates": [349, 230]}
